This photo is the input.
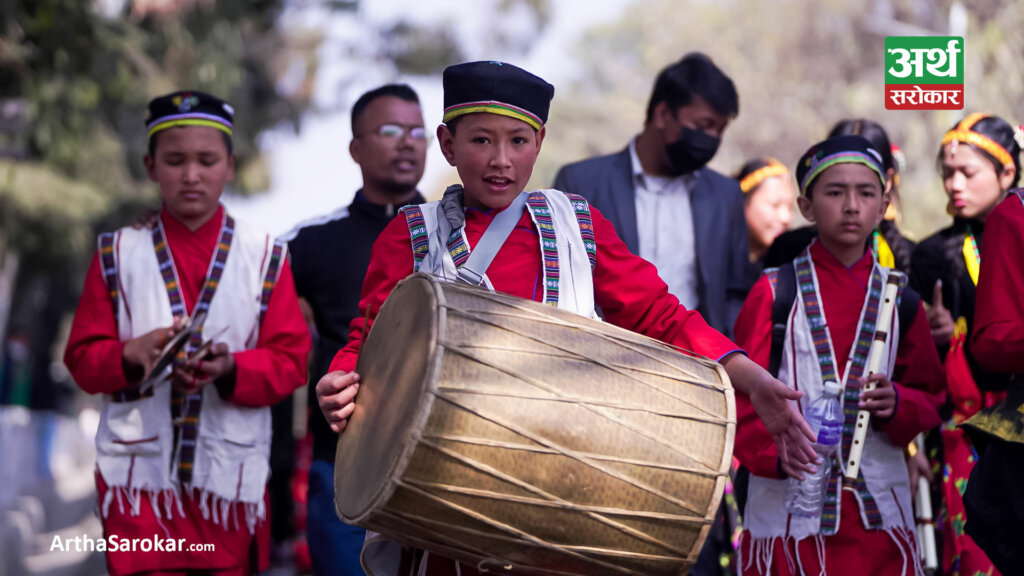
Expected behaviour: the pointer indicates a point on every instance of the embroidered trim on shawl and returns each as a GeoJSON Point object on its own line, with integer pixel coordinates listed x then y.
{"type": "Point", "coordinates": [851, 398]}
{"type": "Point", "coordinates": [858, 359]}
{"type": "Point", "coordinates": [185, 408]}
{"type": "Point", "coordinates": [167, 271]}
{"type": "Point", "coordinates": [108, 265]}
{"type": "Point", "coordinates": [271, 279]}
{"type": "Point", "coordinates": [586, 222]}
{"type": "Point", "coordinates": [417, 234]}
{"type": "Point", "coordinates": [808, 289]}
{"type": "Point", "coordinates": [541, 213]}
{"type": "Point", "coordinates": [194, 402]}
{"type": "Point", "coordinates": [457, 248]}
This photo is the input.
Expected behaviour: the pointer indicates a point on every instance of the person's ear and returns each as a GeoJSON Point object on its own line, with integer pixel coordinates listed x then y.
{"type": "Point", "coordinates": [806, 208]}
{"type": "Point", "coordinates": [150, 163]}
{"type": "Point", "coordinates": [355, 150]}
{"type": "Point", "coordinates": [662, 113]}
{"type": "Point", "coordinates": [886, 200]}
{"type": "Point", "coordinates": [1006, 176]}
{"type": "Point", "coordinates": [231, 168]}
{"type": "Point", "coordinates": [446, 140]}
{"type": "Point", "coordinates": [890, 179]}
{"type": "Point", "coordinates": [540, 137]}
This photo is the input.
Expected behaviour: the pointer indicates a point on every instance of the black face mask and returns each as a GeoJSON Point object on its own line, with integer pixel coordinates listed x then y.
{"type": "Point", "coordinates": [692, 150]}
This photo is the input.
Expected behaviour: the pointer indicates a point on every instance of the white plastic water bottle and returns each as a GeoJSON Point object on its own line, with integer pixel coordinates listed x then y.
{"type": "Point", "coordinates": [806, 497]}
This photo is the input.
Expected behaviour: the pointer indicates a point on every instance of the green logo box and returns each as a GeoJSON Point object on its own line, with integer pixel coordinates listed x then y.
{"type": "Point", "coordinates": [924, 60]}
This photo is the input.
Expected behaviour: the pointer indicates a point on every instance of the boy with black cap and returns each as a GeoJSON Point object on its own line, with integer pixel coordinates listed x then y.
{"type": "Point", "coordinates": [560, 251]}
{"type": "Point", "coordinates": [182, 453]}
{"type": "Point", "coordinates": [831, 323]}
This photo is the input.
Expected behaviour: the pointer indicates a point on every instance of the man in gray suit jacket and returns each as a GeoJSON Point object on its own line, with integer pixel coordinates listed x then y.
{"type": "Point", "coordinates": [665, 204]}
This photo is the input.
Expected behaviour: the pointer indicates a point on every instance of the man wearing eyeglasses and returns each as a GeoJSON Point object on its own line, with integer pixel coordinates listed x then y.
{"type": "Point", "coordinates": [329, 259]}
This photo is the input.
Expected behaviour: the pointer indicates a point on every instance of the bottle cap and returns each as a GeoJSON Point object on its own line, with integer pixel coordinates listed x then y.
{"type": "Point", "coordinates": [832, 387]}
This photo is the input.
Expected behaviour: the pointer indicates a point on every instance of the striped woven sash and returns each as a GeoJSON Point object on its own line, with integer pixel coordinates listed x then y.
{"type": "Point", "coordinates": [813, 308]}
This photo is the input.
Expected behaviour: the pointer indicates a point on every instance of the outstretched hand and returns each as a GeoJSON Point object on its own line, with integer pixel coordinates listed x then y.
{"type": "Point", "coordinates": [775, 405]}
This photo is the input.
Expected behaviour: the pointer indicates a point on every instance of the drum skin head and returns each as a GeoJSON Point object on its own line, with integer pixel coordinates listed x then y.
{"type": "Point", "coordinates": [398, 361]}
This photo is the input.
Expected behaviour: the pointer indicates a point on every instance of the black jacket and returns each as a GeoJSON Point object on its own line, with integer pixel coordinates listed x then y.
{"type": "Point", "coordinates": [329, 258]}
{"type": "Point", "coordinates": [719, 227]}
{"type": "Point", "coordinates": [940, 257]}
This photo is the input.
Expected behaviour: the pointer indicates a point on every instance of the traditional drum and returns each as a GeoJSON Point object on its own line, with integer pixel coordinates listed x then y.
{"type": "Point", "coordinates": [525, 439]}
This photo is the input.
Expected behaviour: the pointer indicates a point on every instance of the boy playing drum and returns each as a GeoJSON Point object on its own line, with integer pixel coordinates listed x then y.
{"type": "Point", "coordinates": [561, 251]}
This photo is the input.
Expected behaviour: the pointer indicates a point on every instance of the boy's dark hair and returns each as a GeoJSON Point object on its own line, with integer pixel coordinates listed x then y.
{"type": "Point", "coordinates": [694, 75]}
{"type": "Point", "coordinates": [451, 124]}
{"type": "Point", "coordinates": [402, 91]}
{"type": "Point", "coordinates": [1001, 133]}
{"type": "Point", "coordinates": [228, 143]}
{"type": "Point", "coordinates": [870, 131]}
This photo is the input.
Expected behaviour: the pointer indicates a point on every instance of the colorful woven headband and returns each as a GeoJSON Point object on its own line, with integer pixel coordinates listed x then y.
{"type": "Point", "coordinates": [846, 157]}
{"type": "Point", "coordinates": [754, 179]}
{"type": "Point", "coordinates": [192, 119]}
{"type": "Point", "coordinates": [492, 107]}
{"type": "Point", "coordinates": [847, 149]}
{"type": "Point", "coordinates": [963, 133]}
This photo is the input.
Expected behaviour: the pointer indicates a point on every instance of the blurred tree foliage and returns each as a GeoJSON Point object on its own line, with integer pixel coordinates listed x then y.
{"type": "Point", "coordinates": [423, 48]}
{"type": "Point", "coordinates": [79, 79]}
{"type": "Point", "coordinates": [799, 67]}
{"type": "Point", "coordinates": [75, 77]}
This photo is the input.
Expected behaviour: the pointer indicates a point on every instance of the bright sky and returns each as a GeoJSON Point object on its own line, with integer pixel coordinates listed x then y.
{"type": "Point", "coordinates": [312, 173]}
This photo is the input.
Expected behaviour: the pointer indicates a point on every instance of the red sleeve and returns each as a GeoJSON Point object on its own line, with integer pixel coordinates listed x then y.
{"type": "Point", "coordinates": [997, 341]}
{"type": "Point", "coordinates": [276, 367]}
{"type": "Point", "coordinates": [754, 445]}
{"type": "Point", "coordinates": [920, 383]}
{"type": "Point", "coordinates": [390, 262]}
{"type": "Point", "coordinates": [94, 351]}
{"type": "Point", "coordinates": [631, 295]}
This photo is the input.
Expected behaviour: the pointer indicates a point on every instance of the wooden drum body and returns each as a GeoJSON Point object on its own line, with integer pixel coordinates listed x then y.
{"type": "Point", "coordinates": [525, 439]}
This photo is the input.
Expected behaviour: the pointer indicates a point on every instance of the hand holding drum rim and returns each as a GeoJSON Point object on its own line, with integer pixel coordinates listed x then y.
{"type": "Point", "coordinates": [336, 395]}
{"type": "Point", "coordinates": [881, 401]}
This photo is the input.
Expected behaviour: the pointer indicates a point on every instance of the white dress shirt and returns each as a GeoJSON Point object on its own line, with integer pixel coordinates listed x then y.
{"type": "Point", "coordinates": [664, 222]}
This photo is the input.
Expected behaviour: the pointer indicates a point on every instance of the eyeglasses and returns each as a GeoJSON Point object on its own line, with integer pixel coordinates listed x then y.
{"type": "Point", "coordinates": [394, 131]}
